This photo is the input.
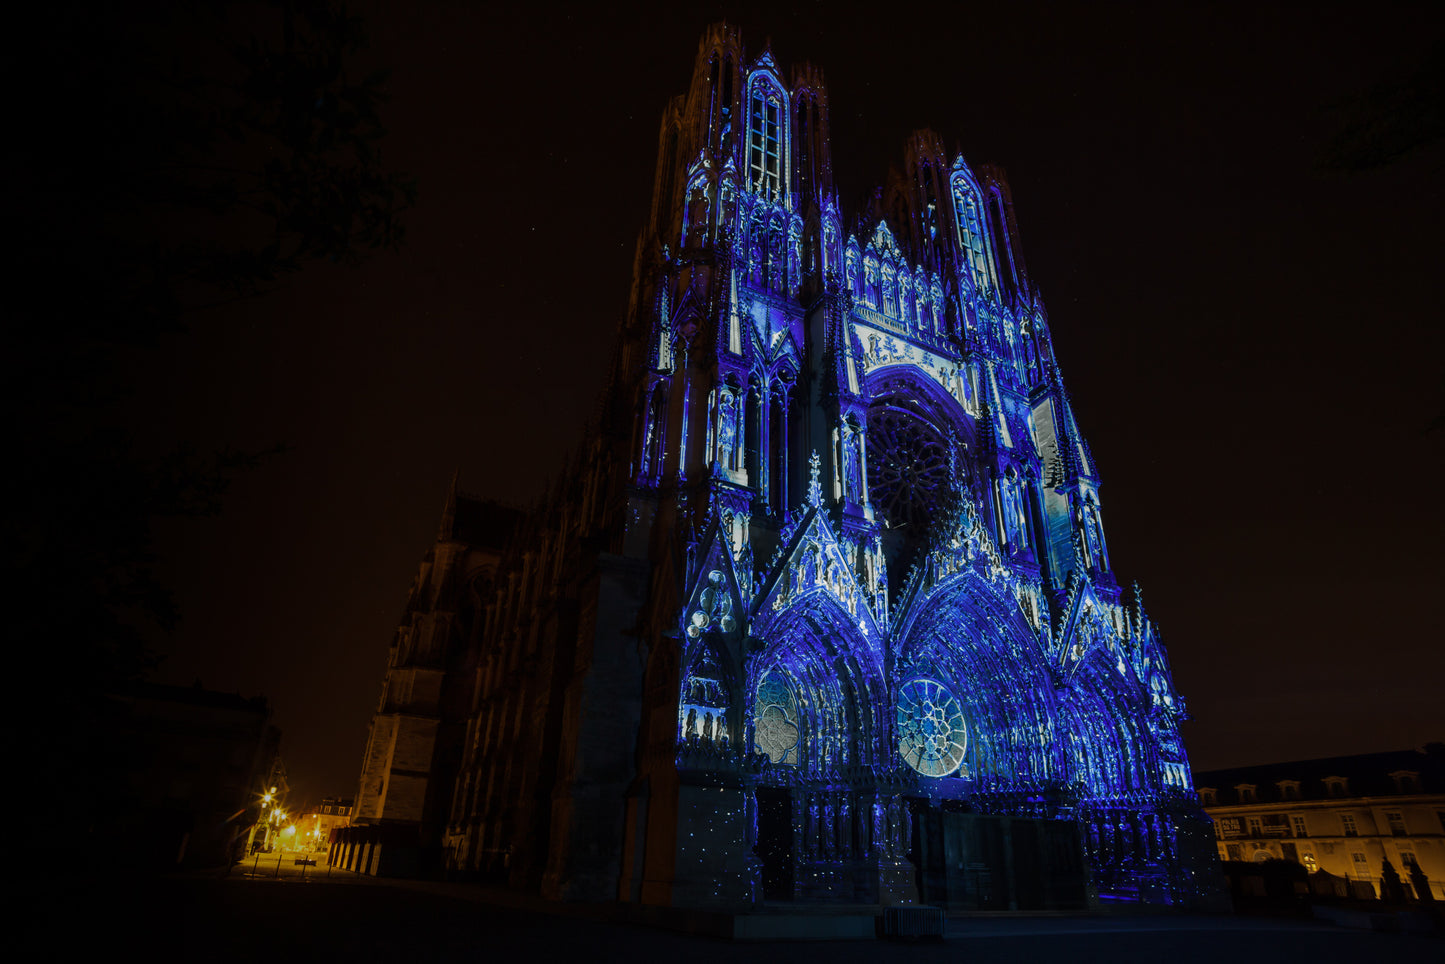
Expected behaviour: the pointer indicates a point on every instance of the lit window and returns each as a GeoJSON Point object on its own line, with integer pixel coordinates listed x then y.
{"type": "Point", "coordinates": [1308, 859]}
{"type": "Point", "coordinates": [970, 233]}
{"type": "Point", "coordinates": [764, 142]}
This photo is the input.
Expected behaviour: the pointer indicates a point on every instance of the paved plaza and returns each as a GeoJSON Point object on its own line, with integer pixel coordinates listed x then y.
{"type": "Point", "coordinates": [256, 919]}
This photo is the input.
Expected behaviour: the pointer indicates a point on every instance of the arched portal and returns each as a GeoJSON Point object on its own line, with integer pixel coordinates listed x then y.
{"type": "Point", "coordinates": [1110, 755]}
{"type": "Point", "coordinates": [967, 635]}
{"type": "Point", "coordinates": [818, 730]}
{"type": "Point", "coordinates": [815, 650]}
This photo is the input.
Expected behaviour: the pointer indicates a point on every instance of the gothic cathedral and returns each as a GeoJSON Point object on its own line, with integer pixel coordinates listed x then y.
{"type": "Point", "coordinates": [825, 609]}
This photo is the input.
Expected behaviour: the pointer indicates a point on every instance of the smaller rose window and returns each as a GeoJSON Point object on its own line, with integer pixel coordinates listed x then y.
{"type": "Point", "coordinates": [932, 735]}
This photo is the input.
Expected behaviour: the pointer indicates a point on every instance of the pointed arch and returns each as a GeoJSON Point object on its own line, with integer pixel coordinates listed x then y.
{"type": "Point", "coordinates": [967, 635]}
{"type": "Point", "coordinates": [836, 676]}
{"type": "Point", "coordinates": [1110, 755]}
{"type": "Point", "coordinates": [971, 228]}
{"type": "Point", "coordinates": [767, 135]}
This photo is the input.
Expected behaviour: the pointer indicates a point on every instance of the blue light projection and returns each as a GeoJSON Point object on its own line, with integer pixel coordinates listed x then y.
{"type": "Point", "coordinates": [923, 611]}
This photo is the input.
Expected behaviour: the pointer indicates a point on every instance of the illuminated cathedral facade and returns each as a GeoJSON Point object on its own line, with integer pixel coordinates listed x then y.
{"type": "Point", "coordinates": [825, 609]}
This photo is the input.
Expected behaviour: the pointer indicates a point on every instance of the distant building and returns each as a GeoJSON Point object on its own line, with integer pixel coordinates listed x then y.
{"type": "Point", "coordinates": [315, 825]}
{"type": "Point", "coordinates": [413, 747]}
{"type": "Point", "coordinates": [1343, 815]}
{"type": "Point", "coordinates": [194, 759]}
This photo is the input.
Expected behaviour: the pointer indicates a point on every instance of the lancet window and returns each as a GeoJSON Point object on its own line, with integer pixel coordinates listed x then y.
{"type": "Point", "coordinates": [713, 87]}
{"type": "Point", "coordinates": [779, 446]}
{"type": "Point", "coordinates": [776, 730]}
{"type": "Point", "coordinates": [930, 208]}
{"type": "Point", "coordinates": [765, 140]}
{"type": "Point", "coordinates": [805, 146]}
{"type": "Point", "coordinates": [653, 444]}
{"type": "Point", "coordinates": [970, 234]}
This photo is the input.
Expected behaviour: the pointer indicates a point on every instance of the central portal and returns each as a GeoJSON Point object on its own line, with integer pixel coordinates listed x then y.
{"type": "Point", "coordinates": [969, 861]}
{"type": "Point", "coordinates": [775, 841]}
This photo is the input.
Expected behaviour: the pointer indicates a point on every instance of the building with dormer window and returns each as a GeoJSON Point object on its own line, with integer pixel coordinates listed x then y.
{"type": "Point", "coordinates": [1346, 816]}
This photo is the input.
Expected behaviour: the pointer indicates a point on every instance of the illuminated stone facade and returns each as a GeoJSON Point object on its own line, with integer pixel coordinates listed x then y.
{"type": "Point", "coordinates": [1343, 816]}
{"type": "Point", "coordinates": [825, 609]}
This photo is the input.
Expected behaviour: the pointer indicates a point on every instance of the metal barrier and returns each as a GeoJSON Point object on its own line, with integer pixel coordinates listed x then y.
{"type": "Point", "coordinates": [911, 923]}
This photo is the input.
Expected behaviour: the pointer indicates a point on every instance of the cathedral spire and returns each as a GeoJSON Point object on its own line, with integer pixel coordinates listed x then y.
{"type": "Point", "coordinates": [815, 489]}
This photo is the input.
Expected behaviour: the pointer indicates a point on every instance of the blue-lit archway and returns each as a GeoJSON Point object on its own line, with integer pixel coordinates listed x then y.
{"type": "Point", "coordinates": [965, 635]}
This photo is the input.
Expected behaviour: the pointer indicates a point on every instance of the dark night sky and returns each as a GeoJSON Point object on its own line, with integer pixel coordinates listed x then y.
{"type": "Point", "coordinates": [1253, 344]}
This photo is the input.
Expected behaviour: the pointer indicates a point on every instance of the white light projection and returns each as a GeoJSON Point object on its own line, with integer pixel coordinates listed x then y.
{"type": "Point", "coordinates": [932, 735]}
{"type": "Point", "coordinates": [775, 726]}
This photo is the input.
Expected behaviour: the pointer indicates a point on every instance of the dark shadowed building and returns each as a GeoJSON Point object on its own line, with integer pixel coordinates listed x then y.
{"type": "Point", "coordinates": [824, 610]}
{"type": "Point", "coordinates": [193, 761]}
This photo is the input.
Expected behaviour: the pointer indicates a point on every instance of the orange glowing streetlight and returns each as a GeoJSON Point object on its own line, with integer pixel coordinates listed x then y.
{"type": "Point", "coordinates": [268, 801]}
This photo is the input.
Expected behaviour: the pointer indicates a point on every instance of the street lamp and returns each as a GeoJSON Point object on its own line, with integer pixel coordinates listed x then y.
{"type": "Point", "coordinates": [268, 800]}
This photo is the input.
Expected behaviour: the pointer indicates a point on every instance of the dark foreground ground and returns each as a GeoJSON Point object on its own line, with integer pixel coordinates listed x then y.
{"type": "Point", "coordinates": [264, 921]}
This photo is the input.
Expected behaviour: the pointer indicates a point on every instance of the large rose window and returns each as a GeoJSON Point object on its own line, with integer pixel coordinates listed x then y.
{"type": "Point", "coordinates": [908, 473]}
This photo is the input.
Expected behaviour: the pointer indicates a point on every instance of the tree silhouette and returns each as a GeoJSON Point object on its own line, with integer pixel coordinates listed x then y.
{"type": "Point", "coordinates": [165, 158]}
{"type": "Point", "coordinates": [1392, 119]}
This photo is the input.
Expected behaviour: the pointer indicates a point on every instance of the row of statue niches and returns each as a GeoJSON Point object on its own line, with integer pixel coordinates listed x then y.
{"type": "Point", "coordinates": [708, 727]}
